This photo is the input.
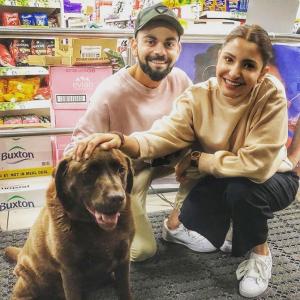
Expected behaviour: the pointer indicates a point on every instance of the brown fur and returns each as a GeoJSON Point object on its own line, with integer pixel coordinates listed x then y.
{"type": "Point", "coordinates": [67, 250]}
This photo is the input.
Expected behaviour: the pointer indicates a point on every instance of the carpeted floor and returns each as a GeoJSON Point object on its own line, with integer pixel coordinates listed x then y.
{"type": "Point", "coordinates": [178, 273]}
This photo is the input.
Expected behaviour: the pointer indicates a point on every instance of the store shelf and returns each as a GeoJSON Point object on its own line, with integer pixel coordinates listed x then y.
{"type": "Point", "coordinates": [31, 3]}
{"type": "Point", "coordinates": [35, 132]}
{"type": "Point", "coordinates": [11, 32]}
{"type": "Point", "coordinates": [17, 126]}
{"type": "Point", "coordinates": [119, 20]}
{"type": "Point", "coordinates": [24, 105]}
{"type": "Point", "coordinates": [223, 15]}
{"type": "Point", "coordinates": [23, 71]}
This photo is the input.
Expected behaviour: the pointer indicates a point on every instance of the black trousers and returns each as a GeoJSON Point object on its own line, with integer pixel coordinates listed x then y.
{"type": "Point", "coordinates": [214, 201]}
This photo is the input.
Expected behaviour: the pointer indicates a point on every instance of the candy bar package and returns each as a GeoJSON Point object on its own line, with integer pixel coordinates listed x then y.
{"type": "Point", "coordinates": [10, 19]}
{"type": "Point", "coordinates": [40, 19]}
{"type": "Point", "coordinates": [20, 49]}
{"type": "Point", "coordinates": [53, 21]}
{"type": "Point", "coordinates": [27, 19]}
{"type": "Point", "coordinates": [50, 46]}
{"type": "Point", "coordinates": [38, 47]}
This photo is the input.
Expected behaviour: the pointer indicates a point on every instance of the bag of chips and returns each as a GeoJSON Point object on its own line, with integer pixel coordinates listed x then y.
{"type": "Point", "coordinates": [3, 87]}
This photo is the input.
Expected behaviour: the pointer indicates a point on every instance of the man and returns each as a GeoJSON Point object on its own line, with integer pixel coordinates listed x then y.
{"type": "Point", "coordinates": [131, 100]}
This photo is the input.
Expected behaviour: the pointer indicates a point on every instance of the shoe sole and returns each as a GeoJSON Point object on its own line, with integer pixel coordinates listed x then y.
{"type": "Point", "coordinates": [246, 295]}
{"type": "Point", "coordinates": [190, 247]}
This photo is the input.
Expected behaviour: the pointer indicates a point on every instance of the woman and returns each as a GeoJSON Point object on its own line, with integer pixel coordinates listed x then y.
{"type": "Point", "coordinates": [239, 119]}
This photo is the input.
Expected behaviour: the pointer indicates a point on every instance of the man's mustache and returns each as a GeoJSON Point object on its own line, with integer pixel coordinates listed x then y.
{"type": "Point", "coordinates": [158, 57]}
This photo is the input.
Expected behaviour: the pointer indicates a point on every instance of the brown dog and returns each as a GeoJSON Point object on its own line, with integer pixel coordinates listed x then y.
{"type": "Point", "coordinates": [82, 235]}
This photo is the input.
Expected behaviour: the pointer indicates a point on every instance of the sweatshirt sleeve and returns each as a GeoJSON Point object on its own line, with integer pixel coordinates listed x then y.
{"type": "Point", "coordinates": [95, 119]}
{"type": "Point", "coordinates": [171, 133]}
{"type": "Point", "coordinates": [260, 156]}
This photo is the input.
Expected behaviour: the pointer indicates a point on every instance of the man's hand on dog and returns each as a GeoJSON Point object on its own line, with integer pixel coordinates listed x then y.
{"type": "Point", "coordinates": [86, 146]}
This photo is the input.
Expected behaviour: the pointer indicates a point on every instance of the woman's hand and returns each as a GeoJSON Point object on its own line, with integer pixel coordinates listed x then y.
{"type": "Point", "coordinates": [181, 168]}
{"type": "Point", "coordinates": [186, 170]}
{"type": "Point", "coordinates": [86, 146]}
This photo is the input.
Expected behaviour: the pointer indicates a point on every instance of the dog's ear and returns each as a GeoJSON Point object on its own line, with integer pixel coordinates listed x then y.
{"type": "Point", "coordinates": [130, 174]}
{"type": "Point", "coordinates": [62, 186]}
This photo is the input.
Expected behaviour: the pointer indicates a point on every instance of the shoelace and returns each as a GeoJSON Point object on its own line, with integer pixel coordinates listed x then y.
{"type": "Point", "coordinates": [254, 268]}
{"type": "Point", "coordinates": [194, 235]}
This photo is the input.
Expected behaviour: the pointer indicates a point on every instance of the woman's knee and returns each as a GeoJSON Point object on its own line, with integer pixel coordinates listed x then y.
{"type": "Point", "coordinates": [237, 192]}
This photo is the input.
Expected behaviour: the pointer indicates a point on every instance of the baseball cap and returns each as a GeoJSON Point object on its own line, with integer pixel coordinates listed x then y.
{"type": "Point", "coordinates": [157, 12]}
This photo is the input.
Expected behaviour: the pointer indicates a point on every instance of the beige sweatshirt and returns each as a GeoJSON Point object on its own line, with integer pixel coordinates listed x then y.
{"type": "Point", "coordinates": [241, 137]}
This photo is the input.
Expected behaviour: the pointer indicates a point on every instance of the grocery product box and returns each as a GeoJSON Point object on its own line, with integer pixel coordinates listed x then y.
{"type": "Point", "coordinates": [25, 157]}
{"type": "Point", "coordinates": [21, 201]}
{"type": "Point", "coordinates": [72, 87]}
{"type": "Point", "coordinates": [44, 60]}
{"type": "Point", "coordinates": [71, 96]}
{"type": "Point", "coordinates": [75, 51]}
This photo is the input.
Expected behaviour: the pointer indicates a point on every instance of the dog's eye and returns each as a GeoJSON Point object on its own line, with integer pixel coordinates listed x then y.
{"type": "Point", "coordinates": [121, 170]}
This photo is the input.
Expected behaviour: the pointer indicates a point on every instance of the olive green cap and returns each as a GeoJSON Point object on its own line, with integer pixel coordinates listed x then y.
{"type": "Point", "coordinates": [157, 12]}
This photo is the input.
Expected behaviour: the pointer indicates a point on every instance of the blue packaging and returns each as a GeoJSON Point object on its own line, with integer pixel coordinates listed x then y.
{"type": "Point", "coordinates": [232, 5]}
{"type": "Point", "coordinates": [243, 5]}
{"type": "Point", "coordinates": [40, 19]}
{"type": "Point", "coordinates": [26, 19]}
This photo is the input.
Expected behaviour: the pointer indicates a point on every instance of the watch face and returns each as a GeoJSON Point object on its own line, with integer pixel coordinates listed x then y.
{"type": "Point", "coordinates": [195, 155]}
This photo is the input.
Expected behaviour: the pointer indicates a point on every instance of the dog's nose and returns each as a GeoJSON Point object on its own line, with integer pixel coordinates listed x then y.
{"type": "Point", "coordinates": [116, 199]}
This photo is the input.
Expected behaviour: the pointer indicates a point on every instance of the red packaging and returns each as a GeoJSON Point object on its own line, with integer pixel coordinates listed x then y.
{"type": "Point", "coordinates": [29, 119]}
{"type": "Point", "coordinates": [5, 58]}
{"type": "Point", "coordinates": [50, 47]}
{"type": "Point", "coordinates": [12, 120]}
{"type": "Point", "coordinates": [43, 93]}
{"type": "Point", "coordinates": [20, 49]}
{"type": "Point", "coordinates": [39, 47]}
{"type": "Point", "coordinates": [10, 19]}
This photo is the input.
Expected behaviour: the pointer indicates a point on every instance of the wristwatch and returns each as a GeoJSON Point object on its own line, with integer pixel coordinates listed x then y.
{"type": "Point", "coordinates": [195, 155]}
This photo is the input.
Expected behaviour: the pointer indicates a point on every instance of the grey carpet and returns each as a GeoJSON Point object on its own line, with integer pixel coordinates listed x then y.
{"type": "Point", "coordinates": [178, 273]}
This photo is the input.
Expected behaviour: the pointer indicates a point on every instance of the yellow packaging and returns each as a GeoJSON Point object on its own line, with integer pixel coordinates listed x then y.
{"type": "Point", "coordinates": [44, 60]}
{"type": "Point", "coordinates": [84, 51]}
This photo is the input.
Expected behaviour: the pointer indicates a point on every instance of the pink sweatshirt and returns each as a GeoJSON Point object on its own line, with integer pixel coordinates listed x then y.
{"type": "Point", "coordinates": [123, 104]}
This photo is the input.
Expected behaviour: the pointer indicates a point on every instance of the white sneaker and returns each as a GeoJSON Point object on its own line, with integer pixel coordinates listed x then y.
{"type": "Point", "coordinates": [188, 238]}
{"type": "Point", "coordinates": [227, 246]}
{"type": "Point", "coordinates": [256, 272]}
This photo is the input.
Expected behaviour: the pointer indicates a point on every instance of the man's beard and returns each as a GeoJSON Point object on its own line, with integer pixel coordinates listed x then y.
{"type": "Point", "coordinates": [155, 75]}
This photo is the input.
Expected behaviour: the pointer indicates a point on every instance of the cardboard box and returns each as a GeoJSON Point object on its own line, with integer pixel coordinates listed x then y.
{"type": "Point", "coordinates": [71, 96]}
{"type": "Point", "coordinates": [25, 157]}
{"type": "Point", "coordinates": [44, 60]}
{"type": "Point", "coordinates": [21, 201]}
{"type": "Point", "coordinates": [75, 90]}
{"type": "Point", "coordinates": [76, 51]}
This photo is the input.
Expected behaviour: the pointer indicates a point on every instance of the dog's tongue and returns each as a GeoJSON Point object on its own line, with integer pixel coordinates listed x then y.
{"type": "Point", "coordinates": [107, 219]}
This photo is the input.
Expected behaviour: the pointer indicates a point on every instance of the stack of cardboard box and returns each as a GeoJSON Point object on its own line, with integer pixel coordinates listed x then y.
{"type": "Point", "coordinates": [26, 165]}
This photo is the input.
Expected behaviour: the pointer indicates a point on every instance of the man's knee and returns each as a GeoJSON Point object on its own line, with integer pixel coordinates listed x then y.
{"type": "Point", "coordinates": [143, 251]}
